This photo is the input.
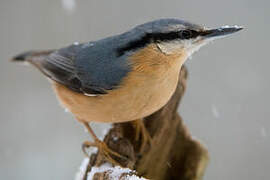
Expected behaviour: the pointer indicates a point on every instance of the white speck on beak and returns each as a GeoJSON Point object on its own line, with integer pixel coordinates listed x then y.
{"type": "Point", "coordinates": [226, 26]}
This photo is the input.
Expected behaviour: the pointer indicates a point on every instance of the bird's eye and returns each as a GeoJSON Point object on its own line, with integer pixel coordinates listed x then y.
{"type": "Point", "coordinates": [185, 34]}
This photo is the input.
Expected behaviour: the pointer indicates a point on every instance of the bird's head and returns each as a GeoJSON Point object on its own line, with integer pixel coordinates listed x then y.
{"type": "Point", "coordinates": [176, 35]}
{"type": "Point", "coordinates": [173, 36]}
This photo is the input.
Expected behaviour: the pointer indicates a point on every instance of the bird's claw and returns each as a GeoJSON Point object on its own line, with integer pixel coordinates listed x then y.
{"type": "Point", "coordinates": [104, 150]}
{"type": "Point", "coordinates": [140, 129]}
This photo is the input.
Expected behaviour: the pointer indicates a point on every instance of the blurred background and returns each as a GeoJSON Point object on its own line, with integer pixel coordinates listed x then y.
{"type": "Point", "coordinates": [226, 105]}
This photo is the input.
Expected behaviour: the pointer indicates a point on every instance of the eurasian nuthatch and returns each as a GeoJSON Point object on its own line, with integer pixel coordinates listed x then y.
{"type": "Point", "coordinates": [125, 77]}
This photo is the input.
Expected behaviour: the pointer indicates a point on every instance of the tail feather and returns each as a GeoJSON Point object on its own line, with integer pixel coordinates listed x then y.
{"type": "Point", "coordinates": [30, 56]}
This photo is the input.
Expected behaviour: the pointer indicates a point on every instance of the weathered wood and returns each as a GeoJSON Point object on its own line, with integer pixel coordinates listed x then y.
{"type": "Point", "coordinates": [173, 154]}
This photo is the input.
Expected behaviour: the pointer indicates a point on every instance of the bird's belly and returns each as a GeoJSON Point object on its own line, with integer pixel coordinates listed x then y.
{"type": "Point", "coordinates": [120, 105]}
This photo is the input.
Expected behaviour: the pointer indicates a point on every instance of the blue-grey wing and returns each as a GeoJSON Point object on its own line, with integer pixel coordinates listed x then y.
{"type": "Point", "coordinates": [99, 68]}
{"type": "Point", "coordinates": [85, 68]}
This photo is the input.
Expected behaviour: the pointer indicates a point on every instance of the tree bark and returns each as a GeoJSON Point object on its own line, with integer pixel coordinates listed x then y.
{"type": "Point", "coordinates": [173, 155]}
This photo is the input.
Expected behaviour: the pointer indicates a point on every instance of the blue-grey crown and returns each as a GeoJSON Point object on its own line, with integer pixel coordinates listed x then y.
{"type": "Point", "coordinates": [155, 31]}
{"type": "Point", "coordinates": [164, 25]}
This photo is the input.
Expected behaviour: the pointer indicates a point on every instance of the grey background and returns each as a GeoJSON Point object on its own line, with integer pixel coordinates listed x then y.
{"type": "Point", "coordinates": [226, 105]}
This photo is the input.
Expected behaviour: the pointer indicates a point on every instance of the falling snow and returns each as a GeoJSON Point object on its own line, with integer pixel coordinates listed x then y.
{"type": "Point", "coordinates": [215, 111]}
{"type": "Point", "coordinates": [263, 132]}
{"type": "Point", "coordinates": [69, 5]}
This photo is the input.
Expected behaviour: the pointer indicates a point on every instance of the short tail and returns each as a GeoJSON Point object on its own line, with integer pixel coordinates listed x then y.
{"type": "Point", "coordinates": [31, 56]}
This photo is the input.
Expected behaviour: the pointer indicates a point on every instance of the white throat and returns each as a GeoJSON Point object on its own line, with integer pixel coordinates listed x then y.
{"type": "Point", "coordinates": [190, 46]}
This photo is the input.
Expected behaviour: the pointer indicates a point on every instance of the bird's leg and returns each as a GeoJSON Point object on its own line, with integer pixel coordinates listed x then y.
{"type": "Point", "coordinates": [102, 147]}
{"type": "Point", "coordinates": [140, 129]}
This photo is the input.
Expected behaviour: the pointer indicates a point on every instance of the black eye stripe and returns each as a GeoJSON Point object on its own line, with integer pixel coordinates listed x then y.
{"type": "Point", "coordinates": [157, 37]}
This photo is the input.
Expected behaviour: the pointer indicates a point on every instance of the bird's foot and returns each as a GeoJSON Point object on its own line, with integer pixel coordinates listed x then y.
{"type": "Point", "coordinates": [104, 150]}
{"type": "Point", "coordinates": [140, 130]}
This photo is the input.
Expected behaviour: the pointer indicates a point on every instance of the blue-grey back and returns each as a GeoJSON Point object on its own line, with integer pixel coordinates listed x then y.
{"type": "Point", "coordinates": [98, 66]}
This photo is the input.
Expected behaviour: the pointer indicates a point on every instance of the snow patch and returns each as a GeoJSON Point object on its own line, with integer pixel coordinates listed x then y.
{"type": "Point", "coordinates": [82, 169]}
{"type": "Point", "coordinates": [92, 150]}
{"type": "Point", "coordinates": [114, 172]}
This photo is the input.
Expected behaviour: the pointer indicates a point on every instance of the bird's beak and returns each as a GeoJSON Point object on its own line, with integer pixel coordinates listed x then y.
{"type": "Point", "coordinates": [220, 32]}
{"type": "Point", "coordinates": [208, 35]}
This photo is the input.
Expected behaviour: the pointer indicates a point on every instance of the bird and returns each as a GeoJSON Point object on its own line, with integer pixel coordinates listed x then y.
{"type": "Point", "coordinates": [125, 77]}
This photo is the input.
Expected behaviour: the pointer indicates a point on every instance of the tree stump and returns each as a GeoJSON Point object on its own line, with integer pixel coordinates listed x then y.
{"type": "Point", "coordinates": [173, 155]}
